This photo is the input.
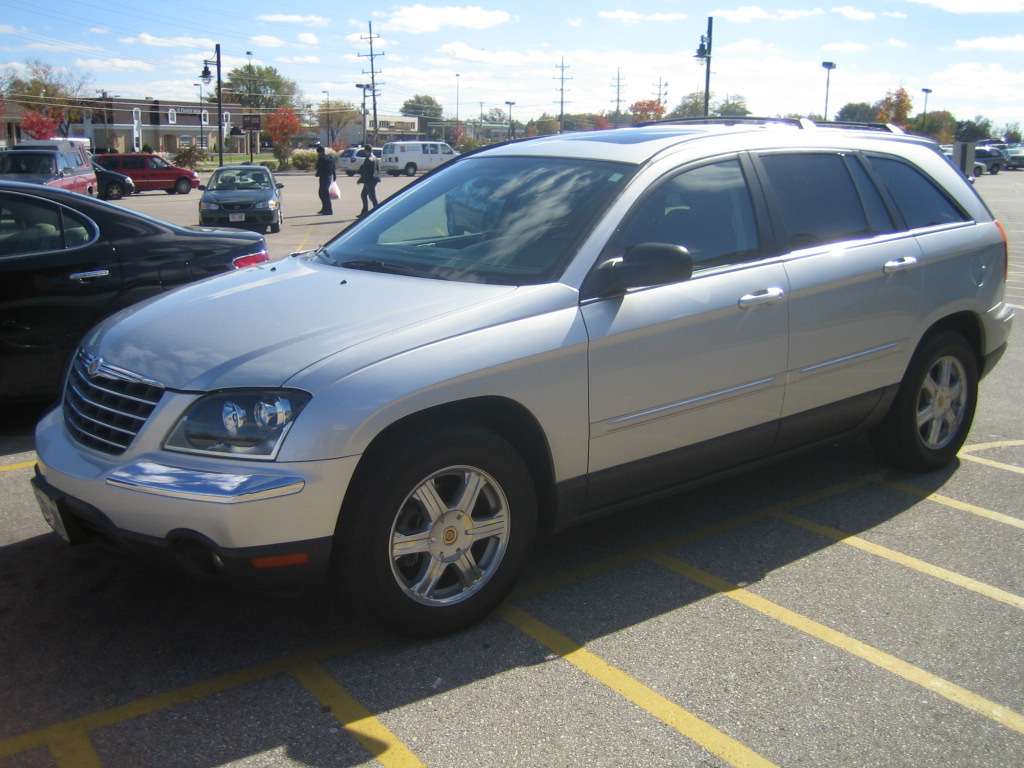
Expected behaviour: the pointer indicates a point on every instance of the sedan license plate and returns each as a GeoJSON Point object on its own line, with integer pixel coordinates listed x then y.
{"type": "Point", "coordinates": [236, 217]}
{"type": "Point", "coordinates": [51, 513]}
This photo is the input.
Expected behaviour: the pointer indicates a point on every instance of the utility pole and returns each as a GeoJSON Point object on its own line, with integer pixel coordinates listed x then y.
{"type": "Point", "coordinates": [662, 92]}
{"type": "Point", "coordinates": [618, 86]}
{"type": "Point", "coordinates": [561, 90]}
{"type": "Point", "coordinates": [373, 77]}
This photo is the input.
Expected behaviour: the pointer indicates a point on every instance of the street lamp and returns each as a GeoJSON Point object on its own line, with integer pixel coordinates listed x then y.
{"type": "Point", "coordinates": [250, 89]}
{"type": "Point", "coordinates": [202, 132]}
{"type": "Point", "coordinates": [704, 54]}
{"type": "Point", "coordinates": [829, 66]}
{"type": "Point", "coordinates": [206, 77]}
{"type": "Point", "coordinates": [328, 113]}
{"type": "Point", "coordinates": [924, 117]}
{"type": "Point", "coordinates": [511, 128]}
{"type": "Point", "coordinates": [455, 136]}
{"type": "Point", "coordinates": [364, 87]}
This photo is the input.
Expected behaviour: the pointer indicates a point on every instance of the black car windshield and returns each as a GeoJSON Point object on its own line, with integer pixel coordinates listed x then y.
{"type": "Point", "coordinates": [501, 220]}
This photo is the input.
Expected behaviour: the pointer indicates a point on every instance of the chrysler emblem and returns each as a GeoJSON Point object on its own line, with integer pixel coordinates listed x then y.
{"type": "Point", "coordinates": [94, 367]}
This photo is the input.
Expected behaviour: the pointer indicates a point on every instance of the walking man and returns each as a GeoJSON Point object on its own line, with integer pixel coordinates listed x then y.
{"type": "Point", "coordinates": [325, 176]}
{"type": "Point", "coordinates": [369, 176]}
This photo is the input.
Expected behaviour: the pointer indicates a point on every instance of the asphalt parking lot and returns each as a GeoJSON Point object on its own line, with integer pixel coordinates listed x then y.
{"type": "Point", "coordinates": [824, 611]}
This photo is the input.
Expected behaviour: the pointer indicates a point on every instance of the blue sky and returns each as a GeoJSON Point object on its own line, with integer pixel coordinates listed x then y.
{"type": "Point", "coordinates": [482, 55]}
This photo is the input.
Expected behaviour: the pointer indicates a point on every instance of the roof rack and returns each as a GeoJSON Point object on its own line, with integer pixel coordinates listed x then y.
{"type": "Point", "coordinates": [797, 122]}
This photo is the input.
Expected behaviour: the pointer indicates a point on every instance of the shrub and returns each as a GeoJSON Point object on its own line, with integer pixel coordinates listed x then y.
{"type": "Point", "coordinates": [189, 157]}
{"type": "Point", "coordinates": [305, 159]}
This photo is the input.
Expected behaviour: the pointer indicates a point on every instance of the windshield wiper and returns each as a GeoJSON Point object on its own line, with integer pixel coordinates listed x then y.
{"type": "Point", "coordinates": [376, 265]}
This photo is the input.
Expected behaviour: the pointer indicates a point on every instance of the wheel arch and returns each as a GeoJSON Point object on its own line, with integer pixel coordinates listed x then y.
{"type": "Point", "coordinates": [503, 416]}
{"type": "Point", "coordinates": [968, 325]}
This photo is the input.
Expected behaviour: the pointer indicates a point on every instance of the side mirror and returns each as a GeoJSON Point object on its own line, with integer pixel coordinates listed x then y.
{"type": "Point", "coordinates": [201, 187]}
{"type": "Point", "coordinates": [643, 265]}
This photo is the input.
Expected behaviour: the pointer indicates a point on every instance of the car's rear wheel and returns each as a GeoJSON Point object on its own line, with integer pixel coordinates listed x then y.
{"type": "Point", "coordinates": [182, 186]}
{"type": "Point", "coordinates": [932, 414]}
{"type": "Point", "coordinates": [115, 191]}
{"type": "Point", "coordinates": [436, 529]}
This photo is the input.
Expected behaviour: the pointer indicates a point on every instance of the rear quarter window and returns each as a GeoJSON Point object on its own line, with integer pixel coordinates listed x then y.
{"type": "Point", "coordinates": [919, 199]}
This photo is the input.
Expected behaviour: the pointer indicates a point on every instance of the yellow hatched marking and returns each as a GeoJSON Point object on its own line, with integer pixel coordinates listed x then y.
{"type": "Point", "coordinates": [967, 452]}
{"type": "Point", "coordinates": [965, 698]}
{"type": "Point", "coordinates": [686, 723]}
{"type": "Point", "coordinates": [22, 465]}
{"type": "Point", "coordinates": [963, 506]}
{"type": "Point", "coordinates": [367, 729]}
{"type": "Point", "coordinates": [906, 560]}
{"type": "Point", "coordinates": [75, 751]}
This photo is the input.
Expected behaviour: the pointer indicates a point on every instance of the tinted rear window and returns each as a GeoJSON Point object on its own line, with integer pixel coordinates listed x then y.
{"type": "Point", "coordinates": [918, 198]}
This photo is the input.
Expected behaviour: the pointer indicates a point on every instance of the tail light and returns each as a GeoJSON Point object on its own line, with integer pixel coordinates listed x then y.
{"type": "Point", "coordinates": [1006, 252]}
{"type": "Point", "coordinates": [257, 257]}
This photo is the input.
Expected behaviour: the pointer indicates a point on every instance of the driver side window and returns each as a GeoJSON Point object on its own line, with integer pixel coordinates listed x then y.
{"type": "Point", "coordinates": [707, 210]}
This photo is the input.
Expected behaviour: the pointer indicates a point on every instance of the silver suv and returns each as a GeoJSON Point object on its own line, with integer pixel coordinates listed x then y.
{"type": "Point", "coordinates": [535, 333]}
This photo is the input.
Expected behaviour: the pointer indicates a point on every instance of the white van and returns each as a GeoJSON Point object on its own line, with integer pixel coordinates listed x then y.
{"type": "Point", "coordinates": [409, 157]}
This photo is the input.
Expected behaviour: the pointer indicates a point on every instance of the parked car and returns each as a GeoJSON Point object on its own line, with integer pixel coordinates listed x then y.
{"type": "Point", "coordinates": [402, 411]}
{"type": "Point", "coordinates": [991, 157]}
{"type": "Point", "coordinates": [1015, 156]}
{"type": "Point", "coordinates": [111, 184]}
{"type": "Point", "coordinates": [242, 196]}
{"type": "Point", "coordinates": [150, 172]}
{"type": "Point", "coordinates": [412, 157]}
{"type": "Point", "coordinates": [351, 158]}
{"type": "Point", "coordinates": [67, 261]}
{"type": "Point", "coordinates": [52, 165]}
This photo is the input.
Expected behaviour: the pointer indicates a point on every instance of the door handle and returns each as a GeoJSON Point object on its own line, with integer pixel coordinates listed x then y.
{"type": "Point", "coordinates": [89, 275]}
{"type": "Point", "coordinates": [899, 265]}
{"type": "Point", "coordinates": [766, 296]}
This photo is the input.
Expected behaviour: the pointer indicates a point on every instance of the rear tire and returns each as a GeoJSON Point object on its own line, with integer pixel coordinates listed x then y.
{"type": "Point", "coordinates": [931, 416]}
{"type": "Point", "coordinates": [436, 529]}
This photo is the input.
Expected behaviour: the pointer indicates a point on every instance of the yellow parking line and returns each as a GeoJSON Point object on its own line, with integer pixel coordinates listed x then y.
{"type": "Point", "coordinates": [963, 506]}
{"type": "Point", "coordinates": [688, 724]}
{"type": "Point", "coordinates": [968, 451]}
{"type": "Point", "coordinates": [965, 698]}
{"type": "Point", "coordinates": [22, 465]}
{"type": "Point", "coordinates": [367, 729]}
{"type": "Point", "coordinates": [75, 751]}
{"type": "Point", "coordinates": [906, 560]}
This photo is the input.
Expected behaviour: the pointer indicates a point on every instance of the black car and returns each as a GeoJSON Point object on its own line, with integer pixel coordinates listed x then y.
{"type": "Point", "coordinates": [242, 196]}
{"type": "Point", "coordinates": [67, 261]}
{"type": "Point", "coordinates": [112, 185]}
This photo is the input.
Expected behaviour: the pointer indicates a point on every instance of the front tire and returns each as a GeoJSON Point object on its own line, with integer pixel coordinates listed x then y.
{"type": "Point", "coordinates": [410, 169]}
{"type": "Point", "coordinates": [932, 414]}
{"type": "Point", "coordinates": [182, 186]}
{"type": "Point", "coordinates": [436, 529]}
{"type": "Point", "coordinates": [114, 191]}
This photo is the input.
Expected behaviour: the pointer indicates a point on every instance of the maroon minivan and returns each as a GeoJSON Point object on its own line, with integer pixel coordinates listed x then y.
{"type": "Point", "coordinates": [150, 171]}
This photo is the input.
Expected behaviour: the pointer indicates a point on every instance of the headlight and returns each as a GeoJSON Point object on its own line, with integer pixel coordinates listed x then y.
{"type": "Point", "coordinates": [266, 204]}
{"type": "Point", "coordinates": [249, 423]}
{"type": "Point", "coordinates": [209, 207]}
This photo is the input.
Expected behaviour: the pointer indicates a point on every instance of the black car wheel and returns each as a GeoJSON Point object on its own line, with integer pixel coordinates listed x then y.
{"type": "Point", "coordinates": [410, 169]}
{"type": "Point", "coordinates": [436, 529]}
{"type": "Point", "coordinates": [114, 191]}
{"type": "Point", "coordinates": [929, 420]}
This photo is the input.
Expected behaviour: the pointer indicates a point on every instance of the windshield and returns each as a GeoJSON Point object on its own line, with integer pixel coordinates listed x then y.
{"type": "Point", "coordinates": [35, 163]}
{"type": "Point", "coordinates": [504, 221]}
{"type": "Point", "coordinates": [256, 178]}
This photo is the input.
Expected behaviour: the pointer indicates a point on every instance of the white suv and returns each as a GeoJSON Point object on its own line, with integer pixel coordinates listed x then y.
{"type": "Point", "coordinates": [536, 333]}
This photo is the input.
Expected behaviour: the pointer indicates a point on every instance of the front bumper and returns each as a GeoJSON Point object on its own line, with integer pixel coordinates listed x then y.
{"type": "Point", "coordinates": [260, 218]}
{"type": "Point", "coordinates": [252, 524]}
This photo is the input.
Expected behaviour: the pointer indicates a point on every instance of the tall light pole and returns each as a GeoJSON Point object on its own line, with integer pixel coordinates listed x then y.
{"type": "Point", "coordinates": [364, 87]}
{"type": "Point", "coordinates": [704, 54]}
{"type": "Point", "coordinates": [250, 87]}
{"type": "Point", "coordinates": [924, 117]}
{"type": "Point", "coordinates": [511, 128]}
{"type": "Point", "coordinates": [202, 131]}
{"type": "Point", "coordinates": [829, 66]}
{"type": "Point", "coordinates": [455, 136]}
{"type": "Point", "coordinates": [328, 113]}
{"type": "Point", "coordinates": [206, 77]}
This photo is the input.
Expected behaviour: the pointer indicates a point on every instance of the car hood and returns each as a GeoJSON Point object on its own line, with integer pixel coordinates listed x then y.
{"type": "Point", "coordinates": [243, 196]}
{"type": "Point", "coordinates": [263, 326]}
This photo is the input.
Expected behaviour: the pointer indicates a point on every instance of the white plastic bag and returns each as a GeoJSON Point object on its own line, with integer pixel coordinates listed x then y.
{"type": "Point", "coordinates": [334, 191]}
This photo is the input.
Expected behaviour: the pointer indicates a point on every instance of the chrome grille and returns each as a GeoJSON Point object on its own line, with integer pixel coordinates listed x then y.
{"type": "Point", "coordinates": [104, 406]}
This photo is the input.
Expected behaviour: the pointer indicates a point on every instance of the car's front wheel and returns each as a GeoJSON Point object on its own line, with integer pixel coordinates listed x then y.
{"type": "Point", "coordinates": [182, 186]}
{"type": "Point", "coordinates": [436, 529]}
{"type": "Point", "coordinates": [410, 169]}
{"type": "Point", "coordinates": [114, 191]}
{"type": "Point", "coordinates": [933, 411]}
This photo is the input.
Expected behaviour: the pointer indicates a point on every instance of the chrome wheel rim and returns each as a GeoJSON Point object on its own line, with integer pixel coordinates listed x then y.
{"type": "Point", "coordinates": [942, 403]}
{"type": "Point", "coordinates": [449, 536]}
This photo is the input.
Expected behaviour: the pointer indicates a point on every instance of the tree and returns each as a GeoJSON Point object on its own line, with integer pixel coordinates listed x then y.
{"type": "Point", "coordinates": [282, 124]}
{"type": "Point", "coordinates": [895, 107]}
{"type": "Point", "coordinates": [692, 105]}
{"type": "Point", "coordinates": [939, 125]}
{"type": "Point", "coordinates": [422, 106]}
{"type": "Point", "coordinates": [46, 88]}
{"type": "Point", "coordinates": [858, 112]}
{"type": "Point", "coordinates": [647, 111]}
{"type": "Point", "coordinates": [334, 116]}
{"type": "Point", "coordinates": [732, 106]}
{"type": "Point", "coordinates": [42, 124]}
{"type": "Point", "coordinates": [545, 125]}
{"type": "Point", "coordinates": [973, 130]}
{"type": "Point", "coordinates": [262, 88]}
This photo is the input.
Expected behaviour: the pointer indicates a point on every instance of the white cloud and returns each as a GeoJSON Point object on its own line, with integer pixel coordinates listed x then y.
{"type": "Point", "coordinates": [282, 18]}
{"type": "Point", "coordinates": [268, 41]}
{"type": "Point", "coordinates": [896, 43]}
{"type": "Point", "coordinates": [844, 47]}
{"type": "Point", "coordinates": [307, 38]}
{"type": "Point", "coordinates": [854, 13]}
{"type": "Point", "coordinates": [956, 6]}
{"type": "Point", "coordinates": [416, 19]}
{"type": "Point", "coordinates": [748, 46]}
{"type": "Point", "coordinates": [1012, 44]}
{"type": "Point", "coordinates": [749, 13]}
{"type": "Point", "coordinates": [632, 17]}
{"type": "Point", "coordinates": [97, 30]}
{"type": "Point", "coordinates": [574, 22]}
{"type": "Point", "coordinates": [113, 65]}
{"type": "Point", "coordinates": [464, 52]}
{"type": "Point", "coordinates": [299, 60]}
{"type": "Point", "coordinates": [169, 42]}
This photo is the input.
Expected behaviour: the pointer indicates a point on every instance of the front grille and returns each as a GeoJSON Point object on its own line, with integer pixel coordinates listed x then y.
{"type": "Point", "coordinates": [104, 406]}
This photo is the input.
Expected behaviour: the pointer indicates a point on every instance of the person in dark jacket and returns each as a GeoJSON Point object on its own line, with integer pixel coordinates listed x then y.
{"type": "Point", "coordinates": [325, 174]}
{"type": "Point", "coordinates": [369, 176]}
